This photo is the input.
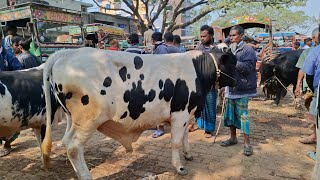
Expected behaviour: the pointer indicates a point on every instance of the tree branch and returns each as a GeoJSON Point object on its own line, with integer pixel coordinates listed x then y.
{"type": "Point", "coordinates": [114, 9]}
{"type": "Point", "coordinates": [199, 16]}
{"type": "Point", "coordinates": [146, 4]}
{"type": "Point", "coordinates": [192, 6]}
{"type": "Point", "coordinates": [175, 14]}
{"type": "Point", "coordinates": [162, 5]}
{"type": "Point", "coordinates": [164, 19]}
{"type": "Point", "coordinates": [152, 10]}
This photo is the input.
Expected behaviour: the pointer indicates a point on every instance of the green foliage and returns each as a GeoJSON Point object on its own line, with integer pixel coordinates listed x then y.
{"type": "Point", "coordinates": [283, 18]}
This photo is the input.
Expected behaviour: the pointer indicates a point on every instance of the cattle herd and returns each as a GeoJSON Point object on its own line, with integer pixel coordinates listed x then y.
{"type": "Point", "coordinates": [121, 94]}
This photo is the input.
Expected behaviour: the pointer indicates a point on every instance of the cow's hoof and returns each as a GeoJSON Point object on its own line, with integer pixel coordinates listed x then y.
{"type": "Point", "coordinates": [182, 171]}
{"type": "Point", "coordinates": [188, 158]}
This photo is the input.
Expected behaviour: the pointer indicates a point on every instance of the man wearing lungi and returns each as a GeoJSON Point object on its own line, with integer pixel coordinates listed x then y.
{"type": "Point", "coordinates": [236, 105]}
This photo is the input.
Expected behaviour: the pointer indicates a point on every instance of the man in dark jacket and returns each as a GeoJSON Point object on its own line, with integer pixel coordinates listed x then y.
{"type": "Point", "coordinates": [236, 105]}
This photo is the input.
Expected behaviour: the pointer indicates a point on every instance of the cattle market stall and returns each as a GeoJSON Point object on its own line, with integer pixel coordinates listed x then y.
{"type": "Point", "coordinates": [47, 26]}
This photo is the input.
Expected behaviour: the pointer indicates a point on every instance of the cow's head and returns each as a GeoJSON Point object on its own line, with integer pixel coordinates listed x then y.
{"type": "Point", "coordinates": [226, 64]}
{"type": "Point", "coordinates": [266, 71]}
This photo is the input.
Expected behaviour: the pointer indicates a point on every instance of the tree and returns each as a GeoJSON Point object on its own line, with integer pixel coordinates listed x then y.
{"type": "Point", "coordinates": [173, 9]}
{"type": "Point", "coordinates": [196, 26]}
{"type": "Point", "coordinates": [283, 18]}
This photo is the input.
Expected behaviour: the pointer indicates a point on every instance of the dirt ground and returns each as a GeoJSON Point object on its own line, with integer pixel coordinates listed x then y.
{"type": "Point", "coordinates": [275, 134]}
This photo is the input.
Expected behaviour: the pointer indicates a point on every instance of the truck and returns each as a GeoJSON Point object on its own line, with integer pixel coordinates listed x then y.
{"type": "Point", "coordinates": [46, 26]}
{"type": "Point", "coordinates": [98, 35]}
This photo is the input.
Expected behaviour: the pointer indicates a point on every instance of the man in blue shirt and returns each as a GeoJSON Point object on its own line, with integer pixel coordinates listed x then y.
{"type": "Point", "coordinates": [168, 38]}
{"type": "Point", "coordinates": [311, 68]}
{"type": "Point", "coordinates": [7, 61]}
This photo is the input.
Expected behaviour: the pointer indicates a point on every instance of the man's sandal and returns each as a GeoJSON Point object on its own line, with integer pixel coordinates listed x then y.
{"type": "Point", "coordinates": [5, 152]}
{"type": "Point", "coordinates": [229, 142]}
{"type": "Point", "coordinates": [248, 150]}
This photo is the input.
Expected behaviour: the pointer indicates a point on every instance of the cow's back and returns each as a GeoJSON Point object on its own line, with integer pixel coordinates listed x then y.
{"type": "Point", "coordinates": [21, 98]}
{"type": "Point", "coordinates": [127, 88]}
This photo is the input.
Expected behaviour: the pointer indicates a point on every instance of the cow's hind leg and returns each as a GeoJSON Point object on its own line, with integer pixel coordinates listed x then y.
{"type": "Point", "coordinates": [37, 133]}
{"type": "Point", "coordinates": [179, 123]}
{"type": "Point", "coordinates": [74, 141]}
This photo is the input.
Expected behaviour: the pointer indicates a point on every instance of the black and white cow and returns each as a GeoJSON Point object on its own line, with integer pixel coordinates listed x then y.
{"type": "Point", "coordinates": [22, 103]}
{"type": "Point", "coordinates": [122, 94]}
{"type": "Point", "coordinates": [282, 67]}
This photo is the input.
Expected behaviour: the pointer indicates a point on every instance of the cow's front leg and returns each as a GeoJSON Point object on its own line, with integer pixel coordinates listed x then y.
{"type": "Point", "coordinates": [179, 123]}
{"type": "Point", "coordinates": [278, 96]}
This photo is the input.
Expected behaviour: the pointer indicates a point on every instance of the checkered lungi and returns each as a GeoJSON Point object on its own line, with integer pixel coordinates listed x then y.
{"type": "Point", "coordinates": [236, 114]}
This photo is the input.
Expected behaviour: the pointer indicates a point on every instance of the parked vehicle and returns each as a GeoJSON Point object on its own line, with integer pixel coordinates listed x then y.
{"type": "Point", "coordinates": [47, 26]}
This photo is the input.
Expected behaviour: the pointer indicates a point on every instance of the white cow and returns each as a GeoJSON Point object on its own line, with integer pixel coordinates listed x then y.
{"type": "Point", "coordinates": [122, 94]}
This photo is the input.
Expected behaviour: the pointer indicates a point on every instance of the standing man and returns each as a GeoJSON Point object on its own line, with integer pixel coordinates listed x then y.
{"type": "Point", "coordinates": [311, 139]}
{"type": "Point", "coordinates": [7, 63]}
{"type": "Point", "coordinates": [311, 67]}
{"type": "Point", "coordinates": [207, 121]}
{"type": "Point", "coordinates": [237, 98]}
{"type": "Point", "coordinates": [168, 39]}
{"type": "Point", "coordinates": [159, 46]}
{"type": "Point", "coordinates": [147, 39]}
{"type": "Point", "coordinates": [27, 59]}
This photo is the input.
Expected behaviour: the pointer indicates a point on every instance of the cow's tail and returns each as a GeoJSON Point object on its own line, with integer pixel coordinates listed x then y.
{"type": "Point", "coordinates": [47, 142]}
